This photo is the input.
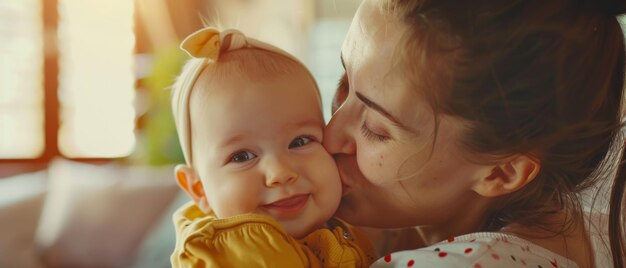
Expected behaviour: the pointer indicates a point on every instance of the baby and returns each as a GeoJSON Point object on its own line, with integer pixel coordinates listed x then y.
{"type": "Point", "coordinates": [250, 124]}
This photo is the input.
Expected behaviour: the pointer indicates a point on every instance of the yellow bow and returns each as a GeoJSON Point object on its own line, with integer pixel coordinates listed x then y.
{"type": "Point", "coordinates": [210, 42]}
{"type": "Point", "coordinates": [204, 43]}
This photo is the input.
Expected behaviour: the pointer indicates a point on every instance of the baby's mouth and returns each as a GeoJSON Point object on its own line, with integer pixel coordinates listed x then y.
{"type": "Point", "coordinates": [291, 201]}
{"type": "Point", "coordinates": [287, 207]}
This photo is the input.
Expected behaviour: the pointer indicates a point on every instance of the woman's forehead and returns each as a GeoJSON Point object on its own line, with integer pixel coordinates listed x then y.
{"type": "Point", "coordinates": [370, 55]}
{"type": "Point", "coordinates": [357, 33]}
{"type": "Point", "coordinates": [372, 35]}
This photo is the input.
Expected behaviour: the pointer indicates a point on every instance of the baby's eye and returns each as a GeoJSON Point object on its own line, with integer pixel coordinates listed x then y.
{"type": "Point", "coordinates": [299, 142]}
{"type": "Point", "coordinates": [242, 156]}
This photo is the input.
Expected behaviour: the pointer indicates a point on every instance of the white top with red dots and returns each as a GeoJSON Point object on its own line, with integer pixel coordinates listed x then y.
{"type": "Point", "coordinates": [478, 250]}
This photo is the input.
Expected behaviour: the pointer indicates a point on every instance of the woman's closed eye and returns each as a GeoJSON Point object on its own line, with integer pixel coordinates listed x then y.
{"type": "Point", "coordinates": [300, 141]}
{"type": "Point", "coordinates": [242, 156]}
{"type": "Point", "coordinates": [371, 135]}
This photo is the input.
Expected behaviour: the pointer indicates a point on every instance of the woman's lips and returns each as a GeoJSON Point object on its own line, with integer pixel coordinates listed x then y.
{"type": "Point", "coordinates": [345, 189]}
{"type": "Point", "coordinates": [289, 206]}
{"type": "Point", "coordinates": [346, 166]}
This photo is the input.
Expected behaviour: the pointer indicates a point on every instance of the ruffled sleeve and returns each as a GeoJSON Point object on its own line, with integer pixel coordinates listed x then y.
{"type": "Point", "coordinates": [253, 240]}
{"type": "Point", "coordinates": [248, 240]}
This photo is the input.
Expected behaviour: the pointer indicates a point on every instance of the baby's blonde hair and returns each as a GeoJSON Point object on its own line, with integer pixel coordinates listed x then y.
{"type": "Point", "coordinates": [233, 57]}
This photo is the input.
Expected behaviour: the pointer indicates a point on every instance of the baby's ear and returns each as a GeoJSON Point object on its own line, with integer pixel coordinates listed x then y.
{"type": "Point", "coordinates": [190, 182]}
{"type": "Point", "coordinates": [509, 176]}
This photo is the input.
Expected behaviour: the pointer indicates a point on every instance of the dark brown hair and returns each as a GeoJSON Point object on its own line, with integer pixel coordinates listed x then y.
{"type": "Point", "coordinates": [542, 78]}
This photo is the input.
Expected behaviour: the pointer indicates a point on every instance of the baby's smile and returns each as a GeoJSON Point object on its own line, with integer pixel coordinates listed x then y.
{"type": "Point", "coordinates": [288, 207]}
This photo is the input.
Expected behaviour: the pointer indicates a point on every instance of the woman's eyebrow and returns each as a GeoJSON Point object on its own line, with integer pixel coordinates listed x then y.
{"type": "Point", "coordinates": [376, 107]}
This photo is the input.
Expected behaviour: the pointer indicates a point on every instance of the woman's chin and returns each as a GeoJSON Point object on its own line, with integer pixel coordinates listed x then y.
{"type": "Point", "coordinates": [368, 215]}
{"type": "Point", "coordinates": [345, 210]}
{"type": "Point", "coordinates": [350, 212]}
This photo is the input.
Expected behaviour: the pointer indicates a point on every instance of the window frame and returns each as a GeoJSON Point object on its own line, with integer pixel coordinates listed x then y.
{"type": "Point", "coordinates": [51, 118]}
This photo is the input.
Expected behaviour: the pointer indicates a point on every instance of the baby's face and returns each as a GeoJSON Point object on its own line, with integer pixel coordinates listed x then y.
{"type": "Point", "coordinates": [257, 148]}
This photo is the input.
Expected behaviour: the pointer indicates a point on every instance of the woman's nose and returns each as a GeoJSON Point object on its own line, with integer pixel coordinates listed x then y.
{"type": "Point", "coordinates": [279, 171]}
{"type": "Point", "coordinates": [339, 134]}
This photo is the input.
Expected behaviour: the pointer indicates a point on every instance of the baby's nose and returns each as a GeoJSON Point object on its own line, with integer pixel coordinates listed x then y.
{"type": "Point", "coordinates": [280, 172]}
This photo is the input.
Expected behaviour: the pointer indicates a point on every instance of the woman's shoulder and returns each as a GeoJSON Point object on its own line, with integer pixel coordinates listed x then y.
{"type": "Point", "coordinates": [478, 250]}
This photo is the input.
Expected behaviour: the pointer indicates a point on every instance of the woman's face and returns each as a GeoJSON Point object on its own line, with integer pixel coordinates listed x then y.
{"type": "Point", "coordinates": [394, 171]}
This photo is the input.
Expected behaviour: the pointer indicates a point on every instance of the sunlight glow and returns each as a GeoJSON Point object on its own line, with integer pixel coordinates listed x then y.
{"type": "Point", "coordinates": [21, 88]}
{"type": "Point", "coordinates": [96, 82]}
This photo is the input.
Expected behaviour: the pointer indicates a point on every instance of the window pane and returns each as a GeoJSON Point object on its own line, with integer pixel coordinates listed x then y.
{"type": "Point", "coordinates": [96, 82]}
{"type": "Point", "coordinates": [21, 87]}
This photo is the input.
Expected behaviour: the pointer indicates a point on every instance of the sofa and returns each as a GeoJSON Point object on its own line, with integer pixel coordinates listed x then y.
{"type": "Point", "coordinates": [84, 215]}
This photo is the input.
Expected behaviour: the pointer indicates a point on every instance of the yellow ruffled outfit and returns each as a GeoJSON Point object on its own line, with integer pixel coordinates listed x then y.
{"type": "Point", "coordinates": [253, 240]}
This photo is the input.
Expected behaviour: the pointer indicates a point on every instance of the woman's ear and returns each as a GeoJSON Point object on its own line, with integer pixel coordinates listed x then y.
{"type": "Point", "coordinates": [509, 176]}
{"type": "Point", "coordinates": [190, 182]}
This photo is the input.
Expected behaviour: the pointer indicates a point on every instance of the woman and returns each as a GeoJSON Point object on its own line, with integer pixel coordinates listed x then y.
{"type": "Point", "coordinates": [481, 116]}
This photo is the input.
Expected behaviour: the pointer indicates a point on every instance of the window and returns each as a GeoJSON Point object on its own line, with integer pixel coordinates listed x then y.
{"type": "Point", "coordinates": [96, 81]}
{"type": "Point", "coordinates": [21, 88]}
{"type": "Point", "coordinates": [66, 79]}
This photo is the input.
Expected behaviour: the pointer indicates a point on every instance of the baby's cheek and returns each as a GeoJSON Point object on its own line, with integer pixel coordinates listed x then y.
{"type": "Point", "coordinates": [328, 188]}
{"type": "Point", "coordinates": [327, 168]}
{"type": "Point", "coordinates": [322, 171]}
{"type": "Point", "coordinates": [237, 197]}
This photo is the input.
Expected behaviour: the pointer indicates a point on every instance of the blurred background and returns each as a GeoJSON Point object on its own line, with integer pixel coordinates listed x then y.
{"type": "Point", "coordinates": [87, 79]}
{"type": "Point", "coordinates": [87, 141]}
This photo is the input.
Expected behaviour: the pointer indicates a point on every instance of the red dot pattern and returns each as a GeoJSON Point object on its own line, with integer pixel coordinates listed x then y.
{"type": "Point", "coordinates": [469, 250]}
{"type": "Point", "coordinates": [553, 263]}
